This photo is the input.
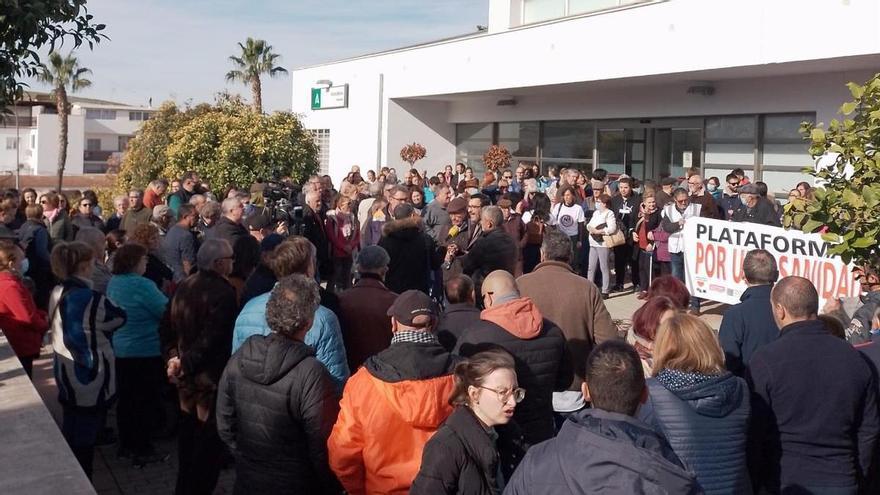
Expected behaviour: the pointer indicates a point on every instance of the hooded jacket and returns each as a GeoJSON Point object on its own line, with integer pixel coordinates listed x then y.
{"type": "Point", "coordinates": [707, 426]}
{"type": "Point", "coordinates": [602, 452]}
{"type": "Point", "coordinates": [543, 363]}
{"type": "Point", "coordinates": [276, 405]}
{"type": "Point", "coordinates": [413, 255]}
{"type": "Point", "coordinates": [859, 329]}
{"type": "Point", "coordinates": [389, 410]}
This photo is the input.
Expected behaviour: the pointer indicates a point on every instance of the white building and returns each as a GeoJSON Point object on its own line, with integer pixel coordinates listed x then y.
{"type": "Point", "coordinates": [97, 130]}
{"type": "Point", "coordinates": [643, 87]}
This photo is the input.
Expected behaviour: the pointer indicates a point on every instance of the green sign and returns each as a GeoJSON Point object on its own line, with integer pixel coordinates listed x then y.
{"type": "Point", "coordinates": [330, 97]}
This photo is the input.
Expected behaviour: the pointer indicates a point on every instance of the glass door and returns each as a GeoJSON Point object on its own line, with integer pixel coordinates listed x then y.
{"type": "Point", "coordinates": [622, 151]}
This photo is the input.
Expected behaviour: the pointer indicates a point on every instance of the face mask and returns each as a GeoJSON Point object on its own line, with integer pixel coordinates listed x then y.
{"type": "Point", "coordinates": [712, 187]}
{"type": "Point", "coordinates": [25, 265]}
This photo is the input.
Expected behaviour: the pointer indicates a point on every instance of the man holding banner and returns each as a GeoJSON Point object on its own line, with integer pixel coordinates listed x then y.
{"type": "Point", "coordinates": [675, 216]}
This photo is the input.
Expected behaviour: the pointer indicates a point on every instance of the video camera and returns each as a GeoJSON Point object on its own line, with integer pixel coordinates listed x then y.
{"type": "Point", "coordinates": [282, 205]}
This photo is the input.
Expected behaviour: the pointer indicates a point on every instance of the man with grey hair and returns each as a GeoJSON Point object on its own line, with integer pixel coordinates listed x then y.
{"type": "Point", "coordinates": [276, 399]}
{"type": "Point", "coordinates": [572, 302]}
{"type": "Point", "coordinates": [313, 229]}
{"type": "Point", "coordinates": [137, 214]}
{"type": "Point", "coordinates": [162, 217]}
{"type": "Point", "coordinates": [749, 325]}
{"type": "Point", "coordinates": [229, 226]}
{"type": "Point", "coordinates": [363, 309]}
{"type": "Point", "coordinates": [215, 255]}
{"type": "Point", "coordinates": [494, 250]}
{"type": "Point", "coordinates": [754, 208]}
{"type": "Point", "coordinates": [98, 242]}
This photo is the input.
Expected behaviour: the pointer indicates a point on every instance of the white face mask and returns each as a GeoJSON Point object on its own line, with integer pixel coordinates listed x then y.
{"type": "Point", "coordinates": [712, 187]}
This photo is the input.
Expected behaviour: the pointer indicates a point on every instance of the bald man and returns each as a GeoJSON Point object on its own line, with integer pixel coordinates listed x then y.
{"type": "Point", "coordinates": [543, 365]}
{"type": "Point", "coordinates": [814, 404]}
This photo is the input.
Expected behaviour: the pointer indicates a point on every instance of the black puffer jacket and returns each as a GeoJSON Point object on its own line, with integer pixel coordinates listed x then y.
{"type": "Point", "coordinates": [463, 457]}
{"type": "Point", "coordinates": [543, 363]}
{"type": "Point", "coordinates": [275, 408]}
{"type": "Point", "coordinates": [707, 426]}
{"type": "Point", "coordinates": [413, 255]}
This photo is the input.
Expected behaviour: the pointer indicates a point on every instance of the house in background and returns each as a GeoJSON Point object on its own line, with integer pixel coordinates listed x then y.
{"type": "Point", "coordinates": [97, 131]}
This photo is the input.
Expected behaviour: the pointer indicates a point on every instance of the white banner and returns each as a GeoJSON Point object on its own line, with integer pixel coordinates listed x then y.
{"type": "Point", "coordinates": [714, 251]}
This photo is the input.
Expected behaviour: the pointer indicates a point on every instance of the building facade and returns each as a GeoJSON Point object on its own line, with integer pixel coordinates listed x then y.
{"type": "Point", "coordinates": [97, 131]}
{"type": "Point", "coordinates": [643, 87]}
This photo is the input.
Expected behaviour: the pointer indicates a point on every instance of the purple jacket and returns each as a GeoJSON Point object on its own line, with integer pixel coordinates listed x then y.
{"type": "Point", "coordinates": [661, 244]}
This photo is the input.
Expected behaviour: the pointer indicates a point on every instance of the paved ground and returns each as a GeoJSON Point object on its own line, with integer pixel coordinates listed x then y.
{"type": "Point", "coordinates": [115, 476]}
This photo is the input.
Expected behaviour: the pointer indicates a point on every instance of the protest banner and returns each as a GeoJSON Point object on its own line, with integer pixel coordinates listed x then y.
{"type": "Point", "coordinates": [714, 251]}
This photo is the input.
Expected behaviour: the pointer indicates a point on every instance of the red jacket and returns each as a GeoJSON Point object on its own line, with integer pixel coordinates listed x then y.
{"type": "Point", "coordinates": [21, 321]}
{"type": "Point", "coordinates": [342, 246]}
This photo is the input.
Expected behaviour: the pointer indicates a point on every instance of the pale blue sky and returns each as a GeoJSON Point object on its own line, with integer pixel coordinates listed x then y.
{"type": "Point", "coordinates": [179, 49]}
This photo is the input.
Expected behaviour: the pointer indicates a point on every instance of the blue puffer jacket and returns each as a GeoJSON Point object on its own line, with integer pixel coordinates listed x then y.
{"type": "Point", "coordinates": [325, 336]}
{"type": "Point", "coordinates": [706, 422]}
{"type": "Point", "coordinates": [144, 304]}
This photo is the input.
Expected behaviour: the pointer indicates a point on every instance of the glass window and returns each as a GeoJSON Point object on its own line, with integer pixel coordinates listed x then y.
{"type": "Point", "coordinates": [473, 139]}
{"type": "Point", "coordinates": [568, 139]}
{"type": "Point", "coordinates": [612, 151]}
{"type": "Point", "coordinates": [520, 138]}
{"type": "Point", "coordinates": [783, 144]}
{"type": "Point", "coordinates": [542, 10]}
{"type": "Point", "coordinates": [122, 142]}
{"type": "Point", "coordinates": [322, 140]}
{"type": "Point", "coordinates": [138, 115]}
{"type": "Point", "coordinates": [100, 114]}
{"type": "Point", "coordinates": [730, 140]}
{"type": "Point", "coordinates": [581, 6]}
{"type": "Point", "coordinates": [731, 128]}
{"type": "Point", "coordinates": [93, 145]}
{"type": "Point", "coordinates": [783, 182]}
{"type": "Point", "coordinates": [11, 143]}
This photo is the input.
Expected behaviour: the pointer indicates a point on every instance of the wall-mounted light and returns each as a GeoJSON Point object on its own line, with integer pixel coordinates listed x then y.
{"type": "Point", "coordinates": [705, 89]}
{"type": "Point", "coordinates": [507, 102]}
{"type": "Point", "coordinates": [324, 82]}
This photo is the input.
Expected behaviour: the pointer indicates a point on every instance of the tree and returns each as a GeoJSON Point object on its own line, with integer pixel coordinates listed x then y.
{"type": "Point", "coordinates": [256, 59]}
{"type": "Point", "coordinates": [28, 26]}
{"type": "Point", "coordinates": [61, 73]}
{"type": "Point", "coordinates": [411, 153]}
{"type": "Point", "coordinates": [226, 143]}
{"type": "Point", "coordinates": [496, 157]}
{"type": "Point", "coordinates": [846, 208]}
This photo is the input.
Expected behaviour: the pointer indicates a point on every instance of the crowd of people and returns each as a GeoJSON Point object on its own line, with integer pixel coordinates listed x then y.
{"type": "Point", "coordinates": [439, 334]}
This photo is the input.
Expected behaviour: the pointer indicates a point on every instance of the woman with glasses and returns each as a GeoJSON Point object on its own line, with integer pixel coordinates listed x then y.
{"type": "Point", "coordinates": [467, 455]}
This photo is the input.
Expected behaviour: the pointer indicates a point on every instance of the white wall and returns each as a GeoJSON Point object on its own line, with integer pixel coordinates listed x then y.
{"type": "Point", "coordinates": [425, 122]}
{"type": "Point", "coordinates": [46, 152]}
{"type": "Point", "coordinates": [725, 39]}
{"type": "Point", "coordinates": [119, 126]}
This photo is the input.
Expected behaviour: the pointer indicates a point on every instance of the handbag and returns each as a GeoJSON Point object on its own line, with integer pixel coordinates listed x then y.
{"type": "Point", "coordinates": [615, 239]}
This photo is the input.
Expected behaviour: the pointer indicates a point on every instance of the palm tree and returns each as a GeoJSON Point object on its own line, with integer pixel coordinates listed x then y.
{"type": "Point", "coordinates": [256, 59]}
{"type": "Point", "coordinates": [61, 73]}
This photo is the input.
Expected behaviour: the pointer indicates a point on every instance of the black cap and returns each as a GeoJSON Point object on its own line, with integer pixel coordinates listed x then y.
{"type": "Point", "coordinates": [412, 304]}
{"type": "Point", "coordinates": [668, 181]}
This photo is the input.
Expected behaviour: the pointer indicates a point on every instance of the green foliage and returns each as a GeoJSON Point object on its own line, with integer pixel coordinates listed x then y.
{"type": "Point", "coordinates": [847, 206]}
{"type": "Point", "coordinates": [226, 144]}
{"type": "Point", "coordinates": [256, 59]}
{"type": "Point", "coordinates": [64, 72]}
{"type": "Point", "coordinates": [27, 26]}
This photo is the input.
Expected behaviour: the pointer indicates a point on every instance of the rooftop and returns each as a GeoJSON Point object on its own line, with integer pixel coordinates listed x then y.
{"type": "Point", "coordinates": [32, 98]}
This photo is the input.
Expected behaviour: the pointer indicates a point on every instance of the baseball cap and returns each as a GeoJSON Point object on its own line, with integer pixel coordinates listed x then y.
{"type": "Point", "coordinates": [457, 205]}
{"type": "Point", "coordinates": [668, 181]}
{"type": "Point", "coordinates": [748, 189]}
{"type": "Point", "coordinates": [412, 304]}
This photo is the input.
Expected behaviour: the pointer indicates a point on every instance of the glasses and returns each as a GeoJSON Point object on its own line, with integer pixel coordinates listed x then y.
{"type": "Point", "coordinates": [694, 183]}
{"type": "Point", "coordinates": [85, 205]}
{"type": "Point", "coordinates": [518, 394]}
{"type": "Point", "coordinates": [733, 184]}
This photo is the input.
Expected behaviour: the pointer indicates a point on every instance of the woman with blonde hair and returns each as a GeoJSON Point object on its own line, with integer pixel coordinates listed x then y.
{"type": "Point", "coordinates": [702, 409]}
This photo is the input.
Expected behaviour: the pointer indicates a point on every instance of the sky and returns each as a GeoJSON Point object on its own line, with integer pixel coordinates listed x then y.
{"type": "Point", "coordinates": [179, 49]}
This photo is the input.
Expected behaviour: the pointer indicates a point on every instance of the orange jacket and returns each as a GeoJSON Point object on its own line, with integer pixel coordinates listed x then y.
{"type": "Point", "coordinates": [377, 442]}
